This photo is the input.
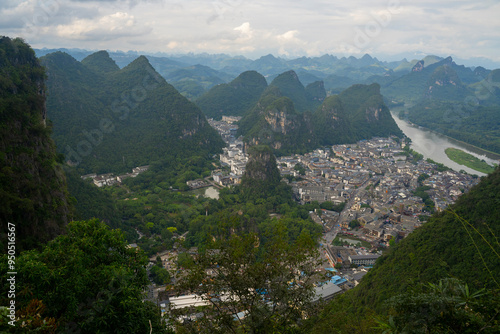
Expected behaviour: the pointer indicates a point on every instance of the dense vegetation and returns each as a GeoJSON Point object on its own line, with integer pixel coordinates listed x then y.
{"type": "Point", "coordinates": [443, 278]}
{"type": "Point", "coordinates": [33, 194]}
{"type": "Point", "coordinates": [234, 98]}
{"type": "Point", "coordinates": [114, 120]}
{"type": "Point", "coordinates": [262, 176]}
{"type": "Point", "coordinates": [357, 113]}
{"type": "Point", "coordinates": [153, 205]}
{"type": "Point", "coordinates": [87, 281]}
{"type": "Point", "coordinates": [254, 287]}
{"type": "Point", "coordinates": [90, 202]}
{"type": "Point", "coordinates": [303, 98]}
{"type": "Point", "coordinates": [476, 125]}
{"type": "Point", "coordinates": [452, 100]}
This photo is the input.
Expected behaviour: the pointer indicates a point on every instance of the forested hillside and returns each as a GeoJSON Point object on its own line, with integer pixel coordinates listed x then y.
{"type": "Point", "coordinates": [33, 193]}
{"type": "Point", "coordinates": [357, 113]}
{"type": "Point", "coordinates": [111, 120]}
{"type": "Point", "coordinates": [234, 98]}
{"type": "Point", "coordinates": [452, 100]}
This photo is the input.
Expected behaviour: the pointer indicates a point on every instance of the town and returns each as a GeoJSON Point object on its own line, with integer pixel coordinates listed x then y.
{"type": "Point", "coordinates": [384, 191]}
{"type": "Point", "coordinates": [387, 190]}
{"type": "Point", "coordinates": [372, 193]}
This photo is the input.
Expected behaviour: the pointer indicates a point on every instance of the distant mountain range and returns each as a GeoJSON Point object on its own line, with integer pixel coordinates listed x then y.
{"type": "Point", "coordinates": [292, 118]}
{"type": "Point", "coordinates": [436, 92]}
{"type": "Point", "coordinates": [208, 70]}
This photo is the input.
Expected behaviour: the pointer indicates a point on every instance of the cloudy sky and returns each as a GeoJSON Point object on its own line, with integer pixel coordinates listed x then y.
{"type": "Point", "coordinates": [388, 29]}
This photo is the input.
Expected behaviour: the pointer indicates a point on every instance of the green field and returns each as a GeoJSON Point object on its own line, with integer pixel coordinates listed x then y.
{"type": "Point", "coordinates": [466, 159]}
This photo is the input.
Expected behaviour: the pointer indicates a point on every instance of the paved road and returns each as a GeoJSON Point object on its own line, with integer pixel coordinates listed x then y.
{"type": "Point", "coordinates": [344, 215]}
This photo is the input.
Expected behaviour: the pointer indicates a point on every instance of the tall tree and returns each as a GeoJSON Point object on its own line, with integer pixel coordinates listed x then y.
{"type": "Point", "coordinates": [254, 286]}
{"type": "Point", "coordinates": [88, 281]}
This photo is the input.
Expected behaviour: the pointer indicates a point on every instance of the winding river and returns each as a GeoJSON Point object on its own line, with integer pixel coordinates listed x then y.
{"type": "Point", "coordinates": [432, 145]}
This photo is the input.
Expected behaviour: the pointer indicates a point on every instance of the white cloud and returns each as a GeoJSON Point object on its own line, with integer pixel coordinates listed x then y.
{"type": "Point", "coordinates": [107, 27]}
{"type": "Point", "coordinates": [465, 28]}
{"type": "Point", "coordinates": [245, 30]}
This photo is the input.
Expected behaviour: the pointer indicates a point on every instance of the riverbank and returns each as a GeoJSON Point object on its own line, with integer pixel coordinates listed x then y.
{"type": "Point", "coordinates": [475, 149]}
{"type": "Point", "coordinates": [432, 146]}
{"type": "Point", "coordinates": [466, 159]}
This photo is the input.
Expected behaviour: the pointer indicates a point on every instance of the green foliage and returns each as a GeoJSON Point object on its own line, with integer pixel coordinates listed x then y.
{"type": "Point", "coordinates": [461, 242]}
{"type": "Point", "coordinates": [117, 120]}
{"type": "Point", "coordinates": [442, 278]}
{"type": "Point", "coordinates": [90, 201]}
{"type": "Point", "coordinates": [354, 223]}
{"type": "Point", "coordinates": [262, 177]}
{"type": "Point", "coordinates": [234, 98]}
{"type": "Point", "coordinates": [448, 306]}
{"type": "Point", "coordinates": [89, 280]}
{"type": "Point", "coordinates": [327, 205]}
{"type": "Point", "coordinates": [289, 85]}
{"type": "Point", "coordinates": [159, 275]}
{"type": "Point", "coordinates": [33, 194]}
{"type": "Point", "coordinates": [100, 62]}
{"type": "Point", "coordinates": [414, 86]}
{"type": "Point", "coordinates": [367, 113]}
{"type": "Point", "coordinates": [270, 279]}
{"type": "Point", "coordinates": [468, 160]}
{"type": "Point", "coordinates": [422, 177]}
{"type": "Point", "coordinates": [357, 113]}
{"type": "Point", "coordinates": [476, 125]}
{"type": "Point", "coordinates": [331, 123]}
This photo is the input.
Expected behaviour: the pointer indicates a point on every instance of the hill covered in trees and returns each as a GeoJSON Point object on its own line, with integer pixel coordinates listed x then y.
{"type": "Point", "coordinates": [357, 113]}
{"type": "Point", "coordinates": [34, 200]}
{"type": "Point", "coordinates": [234, 98]}
{"type": "Point", "coordinates": [454, 100]}
{"type": "Point", "coordinates": [108, 119]}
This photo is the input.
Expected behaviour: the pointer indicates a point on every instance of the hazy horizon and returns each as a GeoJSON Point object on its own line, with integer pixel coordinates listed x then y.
{"type": "Point", "coordinates": [388, 30]}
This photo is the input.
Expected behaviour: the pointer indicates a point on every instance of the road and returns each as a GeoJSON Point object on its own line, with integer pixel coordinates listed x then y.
{"type": "Point", "coordinates": [329, 236]}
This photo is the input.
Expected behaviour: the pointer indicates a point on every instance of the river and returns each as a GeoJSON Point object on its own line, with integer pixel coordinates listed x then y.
{"type": "Point", "coordinates": [432, 145]}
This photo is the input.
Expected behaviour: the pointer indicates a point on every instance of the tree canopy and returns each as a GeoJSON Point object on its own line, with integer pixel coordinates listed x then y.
{"type": "Point", "coordinates": [87, 281]}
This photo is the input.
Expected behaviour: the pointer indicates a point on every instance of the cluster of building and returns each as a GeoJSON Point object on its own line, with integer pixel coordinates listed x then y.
{"type": "Point", "coordinates": [109, 179]}
{"type": "Point", "coordinates": [377, 180]}
{"type": "Point", "coordinates": [349, 256]}
{"type": "Point", "coordinates": [378, 184]}
{"type": "Point", "coordinates": [233, 156]}
{"type": "Point", "coordinates": [226, 127]}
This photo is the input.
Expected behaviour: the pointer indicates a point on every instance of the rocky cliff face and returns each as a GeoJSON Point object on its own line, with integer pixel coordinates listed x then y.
{"type": "Point", "coordinates": [445, 83]}
{"type": "Point", "coordinates": [419, 66]}
{"type": "Point", "coordinates": [357, 113]}
{"type": "Point", "coordinates": [33, 193]}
